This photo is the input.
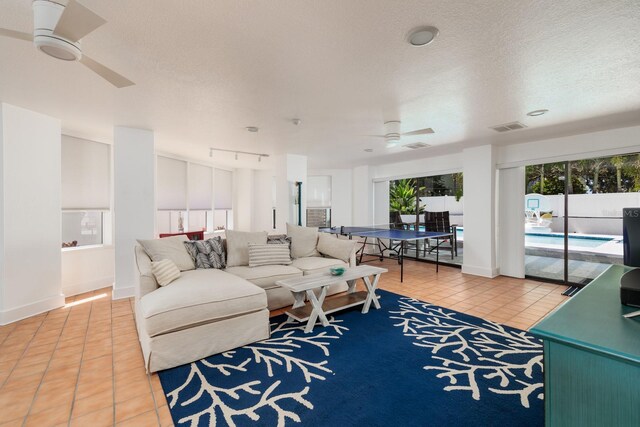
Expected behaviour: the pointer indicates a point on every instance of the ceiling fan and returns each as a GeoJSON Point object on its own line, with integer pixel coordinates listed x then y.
{"type": "Point", "coordinates": [57, 30]}
{"type": "Point", "coordinates": [392, 133]}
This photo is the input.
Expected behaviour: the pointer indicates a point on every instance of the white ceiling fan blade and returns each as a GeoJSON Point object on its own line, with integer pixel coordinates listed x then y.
{"type": "Point", "coordinates": [16, 35]}
{"type": "Point", "coordinates": [76, 22]}
{"type": "Point", "coordinates": [109, 75]}
{"type": "Point", "coordinates": [425, 131]}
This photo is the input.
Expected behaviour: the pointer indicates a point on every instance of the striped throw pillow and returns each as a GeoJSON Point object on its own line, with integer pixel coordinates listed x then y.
{"type": "Point", "coordinates": [269, 254]}
{"type": "Point", "coordinates": [165, 271]}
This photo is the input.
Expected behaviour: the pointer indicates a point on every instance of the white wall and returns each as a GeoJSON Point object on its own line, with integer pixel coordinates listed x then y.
{"type": "Point", "coordinates": [262, 201]}
{"type": "Point", "coordinates": [574, 147]}
{"type": "Point", "coordinates": [30, 280]}
{"type": "Point", "coordinates": [362, 196]}
{"type": "Point", "coordinates": [480, 215]}
{"type": "Point", "coordinates": [430, 166]}
{"type": "Point", "coordinates": [134, 202]}
{"type": "Point", "coordinates": [341, 194]}
{"type": "Point", "coordinates": [87, 269]}
{"type": "Point", "coordinates": [510, 227]}
{"type": "Point", "coordinates": [243, 192]}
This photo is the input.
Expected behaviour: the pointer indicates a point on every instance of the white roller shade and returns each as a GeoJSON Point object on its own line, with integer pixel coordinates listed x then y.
{"type": "Point", "coordinates": [200, 187]}
{"type": "Point", "coordinates": [171, 184]}
{"type": "Point", "coordinates": [223, 189]}
{"type": "Point", "coordinates": [86, 174]}
{"type": "Point", "coordinates": [319, 192]}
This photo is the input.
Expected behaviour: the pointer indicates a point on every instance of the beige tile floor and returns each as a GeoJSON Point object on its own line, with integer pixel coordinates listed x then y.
{"type": "Point", "coordinates": [82, 364]}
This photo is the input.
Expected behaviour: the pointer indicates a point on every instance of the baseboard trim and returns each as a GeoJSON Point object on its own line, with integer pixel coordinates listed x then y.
{"type": "Point", "coordinates": [480, 271]}
{"type": "Point", "coordinates": [93, 285]}
{"type": "Point", "coordinates": [120, 293]}
{"type": "Point", "coordinates": [28, 310]}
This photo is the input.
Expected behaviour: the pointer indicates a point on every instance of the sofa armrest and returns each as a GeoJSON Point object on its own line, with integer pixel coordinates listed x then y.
{"type": "Point", "coordinates": [146, 281]}
{"type": "Point", "coordinates": [352, 260]}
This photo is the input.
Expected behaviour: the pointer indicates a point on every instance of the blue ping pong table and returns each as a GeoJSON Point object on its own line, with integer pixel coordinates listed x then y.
{"type": "Point", "coordinates": [380, 234]}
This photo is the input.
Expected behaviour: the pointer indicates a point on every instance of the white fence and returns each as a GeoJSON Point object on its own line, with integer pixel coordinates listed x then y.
{"type": "Point", "coordinates": [439, 204]}
{"type": "Point", "coordinates": [593, 213]}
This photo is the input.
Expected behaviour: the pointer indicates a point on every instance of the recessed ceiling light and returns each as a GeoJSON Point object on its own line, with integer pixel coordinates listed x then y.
{"type": "Point", "coordinates": [252, 128]}
{"type": "Point", "coordinates": [422, 36]}
{"type": "Point", "coordinates": [368, 150]}
{"type": "Point", "coordinates": [535, 113]}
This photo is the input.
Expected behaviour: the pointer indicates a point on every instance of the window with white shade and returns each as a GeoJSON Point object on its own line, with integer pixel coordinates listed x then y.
{"type": "Point", "coordinates": [85, 192]}
{"type": "Point", "coordinates": [223, 199]}
{"type": "Point", "coordinates": [319, 201]}
{"type": "Point", "coordinates": [200, 197]}
{"type": "Point", "coordinates": [171, 193]}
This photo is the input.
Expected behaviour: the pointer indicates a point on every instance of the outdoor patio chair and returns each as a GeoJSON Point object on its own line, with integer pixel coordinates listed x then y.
{"type": "Point", "coordinates": [439, 222]}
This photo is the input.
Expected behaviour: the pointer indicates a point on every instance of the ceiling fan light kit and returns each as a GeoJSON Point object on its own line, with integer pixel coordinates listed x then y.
{"type": "Point", "coordinates": [58, 30]}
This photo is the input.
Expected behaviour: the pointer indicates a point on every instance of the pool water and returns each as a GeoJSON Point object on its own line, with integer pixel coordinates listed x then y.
{"type": "Point", "coordinates": [557, 239]}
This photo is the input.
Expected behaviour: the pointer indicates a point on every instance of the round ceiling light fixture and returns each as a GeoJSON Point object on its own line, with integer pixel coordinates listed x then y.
{"type": "Point", "coordinates": [252, 128]}
{"type": "Point", "coordinates": [368, 150]}
{"type": "Point", "coordinates": [422, 36]}
{"type": "Point", "coordinates": [535, 113]}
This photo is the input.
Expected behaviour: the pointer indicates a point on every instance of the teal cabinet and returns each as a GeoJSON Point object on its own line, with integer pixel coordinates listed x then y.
{"type": "Point", "coordinates": [592, 358]}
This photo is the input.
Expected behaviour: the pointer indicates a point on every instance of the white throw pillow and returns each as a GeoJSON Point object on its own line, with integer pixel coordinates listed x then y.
{"type": "Point", "coordinates": [336, 248]}
{"type": "Point", "coordinates": [269, 254]}
{"type": "Point", "coordinates": [238, 246]}
{"type": "Point", "coordinates": [165, 271]}
{"type": "Point", "coordinates": [169, 248]}
{"type": "Point", "coordinates": [303, 241]}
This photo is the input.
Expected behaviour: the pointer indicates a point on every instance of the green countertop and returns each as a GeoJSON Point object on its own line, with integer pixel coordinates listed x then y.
{"type": "Point", "coordinates": [593, 320]}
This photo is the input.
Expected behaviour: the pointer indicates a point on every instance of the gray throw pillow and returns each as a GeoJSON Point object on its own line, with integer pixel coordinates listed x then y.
{"type": "Point", "coordinates": [276, 239]}
{"type": "Point", "coordinates": [208, 253]}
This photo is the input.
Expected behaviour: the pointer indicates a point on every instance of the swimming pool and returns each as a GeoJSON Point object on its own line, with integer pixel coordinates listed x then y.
{"type": "Point", "coordinates": [557, 239]}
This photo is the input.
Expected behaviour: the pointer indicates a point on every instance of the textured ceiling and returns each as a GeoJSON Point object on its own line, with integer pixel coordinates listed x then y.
{"type": "Point", "coordinates": [207, 69]}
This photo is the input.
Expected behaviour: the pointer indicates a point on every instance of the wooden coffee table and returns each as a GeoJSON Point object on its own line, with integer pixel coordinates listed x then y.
{"type": "Point", "coordinates": [317, 307]}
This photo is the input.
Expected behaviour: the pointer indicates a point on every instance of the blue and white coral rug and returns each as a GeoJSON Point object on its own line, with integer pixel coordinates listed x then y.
{"type": "Point", "coordinates": [410, 363]}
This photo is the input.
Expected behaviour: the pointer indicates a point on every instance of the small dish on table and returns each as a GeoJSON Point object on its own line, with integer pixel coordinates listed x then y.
{"type": "Point", "coordinates": [337, 271]}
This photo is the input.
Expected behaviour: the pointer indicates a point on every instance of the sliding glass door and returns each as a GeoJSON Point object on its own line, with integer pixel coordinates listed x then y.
{"type": "Point", "coordinates": [544, 221]}
{"type": "Point", "coordinates": [573, 216]}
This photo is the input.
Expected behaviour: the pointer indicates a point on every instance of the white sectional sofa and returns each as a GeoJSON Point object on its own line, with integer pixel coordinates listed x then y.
{"type": "Point", "coordinates": [209, 311]}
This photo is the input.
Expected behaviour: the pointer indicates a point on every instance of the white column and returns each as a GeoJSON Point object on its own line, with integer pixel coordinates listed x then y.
{"type": "Point", "coordinates": [262, 200]}
{"type": "Point", "coordinates": [381, 202]}
{"type": "Point", "coordinates": [511, 222]}
{"type": "Point", "coordinates": [480, 211]}
{"type": "Point", "coordinates": [362, 196]}
{"type": "Point", "coordinates": [30, 214]}
{"type": "Point", "coordinates": [289, 169]}
{"type": "Point", "coordinates": [243, 199]}
{"type": "Point", "coordinates": [134, 201]}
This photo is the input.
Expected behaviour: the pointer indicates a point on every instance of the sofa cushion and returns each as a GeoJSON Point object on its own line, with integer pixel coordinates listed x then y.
{"type": "Point", "coordinates": [315, 265]}
{"type": "Point", "coordinates": [238, 246]}
{"type": "Point", "coordinates": [269, 254]}
{"type": "Point", "coordinates": [199, 297]}
{"type": "Point", "coordinates": [340, 249]}
{"type": "Point", "coordinates": [169, 248]}
{"type": "Point", "coordinates": [303, 240]}
{"type": "Point", "coordinates": [265, 276]}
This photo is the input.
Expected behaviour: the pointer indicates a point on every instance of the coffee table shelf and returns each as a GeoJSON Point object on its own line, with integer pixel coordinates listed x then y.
{"type": "Point", "coordinates": [331, 305]}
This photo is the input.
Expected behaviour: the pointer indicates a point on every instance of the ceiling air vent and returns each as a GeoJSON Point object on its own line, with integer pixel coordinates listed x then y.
{"type": "Point", "coordinates": [508, 127]}
{"type": "Point", "coordinates": [416, 145]}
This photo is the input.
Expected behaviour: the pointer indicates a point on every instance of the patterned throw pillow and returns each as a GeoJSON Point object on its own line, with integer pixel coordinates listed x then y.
{"type": "Point", "coordinates": [208, 253]}
{"type": "Point", "coordinates": [165, 271]}
{"type": "Point", "coordinates": [269, 254]}
{"type": "Point", "coordinates": [279, 239]}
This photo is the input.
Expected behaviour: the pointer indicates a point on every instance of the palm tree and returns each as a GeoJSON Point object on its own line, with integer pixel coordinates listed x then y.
{"type": "Point", "coordinates": [403, 196]}
{"type": "Point", "coordinates": [597, 165]}
{"type": "Point", "coordinates": [618, 162]}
